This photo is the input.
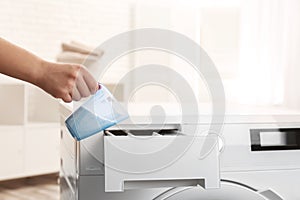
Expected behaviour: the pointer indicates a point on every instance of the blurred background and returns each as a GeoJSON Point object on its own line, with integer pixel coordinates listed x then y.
{"type": "Point", "coordinates": [254, 44]}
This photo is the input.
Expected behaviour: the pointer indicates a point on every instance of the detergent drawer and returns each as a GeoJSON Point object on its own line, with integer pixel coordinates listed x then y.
{"type": "Point", "coordinates": [160, 159]}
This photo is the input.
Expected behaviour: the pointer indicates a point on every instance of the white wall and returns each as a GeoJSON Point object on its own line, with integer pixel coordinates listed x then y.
{"type": "Point", "coordinates": [41, 26]}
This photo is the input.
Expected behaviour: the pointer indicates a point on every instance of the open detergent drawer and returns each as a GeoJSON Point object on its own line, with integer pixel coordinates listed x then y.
{"type": "Point", "coordinates": [163, 159]}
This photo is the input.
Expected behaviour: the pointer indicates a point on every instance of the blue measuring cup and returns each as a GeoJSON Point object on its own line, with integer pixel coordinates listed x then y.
{"type": "Point", "coordinates": [99, 112]}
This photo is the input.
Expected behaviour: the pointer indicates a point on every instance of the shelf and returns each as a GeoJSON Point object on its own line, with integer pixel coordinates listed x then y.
{"type": "Point", "coordinates": [11, 153]}
{"type": "Point", "coordinates": [41, 106]}
{"type": "Point", "coordinates": [5, 80]}
{"type": "Point", "coordinates": [29, 128]}
{"type": "Point", "coordinates": [12, 107]}
{"type": "Point", "coordinates": [42, 125]}
{"type": "Point", "coordinates": [41, 149]}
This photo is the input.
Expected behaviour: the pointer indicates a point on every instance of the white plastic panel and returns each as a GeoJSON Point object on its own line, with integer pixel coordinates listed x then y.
{"type": "Point", "coordinates": [238, 156]}
{"type": "Point", "coordinates": [68, 167]}
{"type": "Point", "coordinates": [91, 155]}
{"type": "Point", "coordinates": [236, 153]}
{"type": "Point", "coordinates": [139, 169]}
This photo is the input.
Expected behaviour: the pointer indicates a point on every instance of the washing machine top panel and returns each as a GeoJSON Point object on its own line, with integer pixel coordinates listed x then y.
{"type": "Point", "coordinates": [174, 113]}
{"type": "Point", "coordinates": [234, 114]}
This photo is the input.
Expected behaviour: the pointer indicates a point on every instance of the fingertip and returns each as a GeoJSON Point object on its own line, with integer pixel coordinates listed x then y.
{"type": "Point", "coordinates": [76, 98]}
{"type": "Point", "coordinates": [67, 98]}
{"type": "Point", "coordinates": [98, 87]}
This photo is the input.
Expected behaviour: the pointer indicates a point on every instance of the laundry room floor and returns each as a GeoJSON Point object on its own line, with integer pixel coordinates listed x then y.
{"type": "Point", "coordinates": [40, 187]}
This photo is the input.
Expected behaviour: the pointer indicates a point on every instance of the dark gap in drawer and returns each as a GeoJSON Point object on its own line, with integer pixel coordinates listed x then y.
{"type": "Point", "coordinates": [116, 132]}
{"type": "Point", "coordinates": [141, 132]}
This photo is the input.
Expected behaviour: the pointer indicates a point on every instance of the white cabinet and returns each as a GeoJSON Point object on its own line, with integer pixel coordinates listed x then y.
{"type": "Point", "coordinates": [11, 151]}
{"type": "Point", "coordinates": [41, 149]}
{"type": "Point", "coordinates": [29, 130]}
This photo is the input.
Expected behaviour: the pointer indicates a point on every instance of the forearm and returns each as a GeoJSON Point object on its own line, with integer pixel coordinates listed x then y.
{"type": "Point", "coordinates": [65, 81]}
{"type": "Point", "coordinates": [19, 63]}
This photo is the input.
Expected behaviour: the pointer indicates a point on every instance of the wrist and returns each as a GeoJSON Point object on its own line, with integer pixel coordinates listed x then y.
{"type": "Point", "coordinates": [39, 72]}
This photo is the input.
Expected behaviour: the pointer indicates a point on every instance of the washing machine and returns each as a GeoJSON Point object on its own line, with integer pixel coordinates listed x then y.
{"type": "Point", "coordinates": [256, 156]}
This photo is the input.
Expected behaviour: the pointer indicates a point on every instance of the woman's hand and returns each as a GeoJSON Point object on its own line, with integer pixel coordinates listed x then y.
{"type": "Point", "coordinates": [66, 81]}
